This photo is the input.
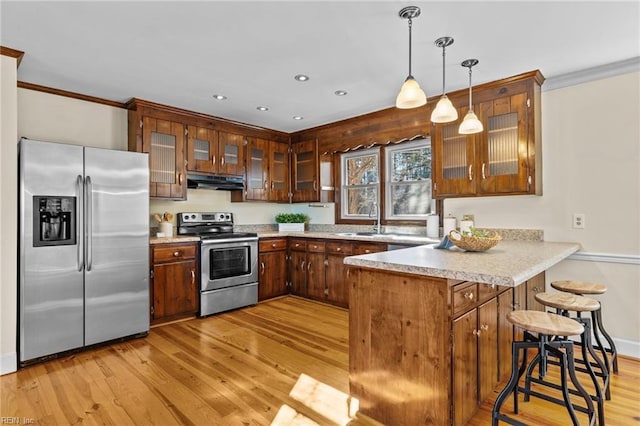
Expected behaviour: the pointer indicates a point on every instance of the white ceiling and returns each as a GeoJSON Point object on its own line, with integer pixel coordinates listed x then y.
{"type": "Point", "coordinates": [181, 53]}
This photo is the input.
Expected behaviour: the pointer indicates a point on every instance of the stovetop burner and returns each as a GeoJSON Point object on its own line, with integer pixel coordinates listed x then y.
{"type": "Point", "coordinates": [209, 226]}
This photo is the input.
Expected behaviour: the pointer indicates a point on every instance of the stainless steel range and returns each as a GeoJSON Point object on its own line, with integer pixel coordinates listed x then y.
{"type": "Point", "coordinates": [228, 261]}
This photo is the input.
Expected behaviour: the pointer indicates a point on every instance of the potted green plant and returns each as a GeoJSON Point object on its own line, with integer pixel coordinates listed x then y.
{"type": "Point", "coordinates": [288, 222]}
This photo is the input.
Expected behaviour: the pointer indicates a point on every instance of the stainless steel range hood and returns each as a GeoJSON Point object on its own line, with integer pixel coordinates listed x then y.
{"type": "Point", "coordinates": [225, 183]}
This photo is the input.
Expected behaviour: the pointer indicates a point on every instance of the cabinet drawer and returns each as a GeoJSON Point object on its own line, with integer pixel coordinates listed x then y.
{"type": "Point", "coordinates": [335, 247]}
{"type": "Point", "coordinates": [487, 291]}
{"type": "Point", "coordinates": [315, 246]}
{"type": "Point", "coordinates": [464, 297]}
{"type": "Point", "coordinates": [272, 245]}
{"type": "Point", "coordinates": [298, 245]}
{"type": "Point", "coordinates": [366, 248]}
{"type": "Point", "coordinates": [172, 253]}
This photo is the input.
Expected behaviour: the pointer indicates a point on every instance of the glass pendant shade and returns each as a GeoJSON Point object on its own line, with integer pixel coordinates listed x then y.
{"type": "Point", "coordinates": [444, 112]}
{"type": "Point", "coordinates": [470, 124]}
{"type": "Point", "coordinates": [411, 95]}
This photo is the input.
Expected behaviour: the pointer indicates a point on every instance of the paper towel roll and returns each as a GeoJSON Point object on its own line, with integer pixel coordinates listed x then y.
{"type": "Point", "coordinates": [449, 224]}
{"type": "Point", "coordinates": [433, 226]}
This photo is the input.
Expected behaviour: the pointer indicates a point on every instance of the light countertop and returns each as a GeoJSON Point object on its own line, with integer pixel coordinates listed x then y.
{"type": "Point", "coordinates": [510, 263]}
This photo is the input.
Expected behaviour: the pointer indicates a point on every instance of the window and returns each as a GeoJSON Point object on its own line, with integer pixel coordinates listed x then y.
{"type": "Point", "coordinates": [408, 181]}
{"type": "Point", "coordinates": [360, 183]}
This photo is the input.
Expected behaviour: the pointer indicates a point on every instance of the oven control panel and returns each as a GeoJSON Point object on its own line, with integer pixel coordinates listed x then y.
{"type": "Point", "coordinates": [207, 217]}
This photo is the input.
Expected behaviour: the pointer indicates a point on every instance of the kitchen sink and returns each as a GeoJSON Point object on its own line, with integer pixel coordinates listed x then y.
{"type": "Point", "coordinates": [392, 236]}
{"type": "Point", "coordinates": [364, 234]}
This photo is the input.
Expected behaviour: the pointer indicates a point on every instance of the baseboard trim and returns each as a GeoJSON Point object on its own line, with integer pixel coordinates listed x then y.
{"type": "Point", "coordinates": [8, 363]}
{"type": "Point", "coordinates": [606, 257]}
{"type": "Point", "coordinates": [628, 348]}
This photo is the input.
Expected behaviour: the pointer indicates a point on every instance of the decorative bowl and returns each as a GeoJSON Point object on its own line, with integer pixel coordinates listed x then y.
{"type": "Point", "coordinates": [474, 243]}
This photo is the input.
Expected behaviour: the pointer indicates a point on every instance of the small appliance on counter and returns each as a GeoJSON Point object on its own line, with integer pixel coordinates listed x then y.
{"type": "Point", "coordinates": [228, 261]}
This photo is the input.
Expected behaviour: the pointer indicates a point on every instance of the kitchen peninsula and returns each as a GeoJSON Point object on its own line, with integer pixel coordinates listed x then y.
{"type": "Point", "coordinates": [428, 333]}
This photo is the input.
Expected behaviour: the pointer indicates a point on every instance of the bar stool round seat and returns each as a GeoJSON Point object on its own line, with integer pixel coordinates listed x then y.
{"type": "Point", "coordinates": [568, 301]}
{"type": "Point", "coordinates": [579, 287]}
{"type": "Point", "coordinates": [582, 288]}
{"type": "Point", "coordinates": [545, 323]}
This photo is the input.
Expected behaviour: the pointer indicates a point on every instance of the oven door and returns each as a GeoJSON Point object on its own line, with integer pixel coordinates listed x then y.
{"type": "Point", "coordinates": [228, 262]}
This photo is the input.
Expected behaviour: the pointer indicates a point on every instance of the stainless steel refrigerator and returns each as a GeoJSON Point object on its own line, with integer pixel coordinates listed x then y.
{"type": "Point", "coordinates": [84, 247]}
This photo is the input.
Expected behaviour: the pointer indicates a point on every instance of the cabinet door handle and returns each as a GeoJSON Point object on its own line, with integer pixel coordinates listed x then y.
{"type": "Point", "coordinates": [326, 291]}
{"type": "Point", "coordinates": [193, 277]}
{"type": "Point", "coordinates": [468, 295]}
{"type": "Point", "coordinates": [537, 289]}
{"type": "Point", "coordinates": [262, 267]}
{"type": "Point", "coordinates": [180, 178]}
{"type": "Point", "coordinates": [222, 161]}
{"type": "Point", "coordinates": [266, 184]}
{"type": "Point", "coordinates": [484, 327]}
{"type": "Point", "coordinates": [315, 185]}
{"type": "Point", "coordinates": [273, 245]}
{"type": "Point", "coordinates": [367, 251]}
{"type": "Point", "coordinates": [483, 176]}
{"type": "Point", "coordinates": [515, 305]}
{"type": "Point", "coordinates": [302, 266]}
{"type": "Point", "coordinates": [339, 249]}
{"type": "Point", "coordinates": [308, 266]}
{"type": "Point", "coordinates": [176, 253]}
{"type": "Point", "coordinates": [476, 332]}
{"type": "Point", "coordinates": [470, 171]}
{"type": "Point", "coordinates": [213, 160]}
{"type": "Point", "coordinates": [272, 184]}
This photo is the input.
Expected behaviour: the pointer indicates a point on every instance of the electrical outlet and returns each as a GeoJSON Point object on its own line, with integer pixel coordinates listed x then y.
{"type": "Point", "coordinates": [579, 221]}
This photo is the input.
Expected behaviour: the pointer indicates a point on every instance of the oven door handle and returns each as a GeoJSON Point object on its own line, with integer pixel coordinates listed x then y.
{"type": "Point", "coordinates": [229, 240]}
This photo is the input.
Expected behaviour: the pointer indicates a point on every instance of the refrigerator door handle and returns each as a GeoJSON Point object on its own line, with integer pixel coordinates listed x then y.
{"type": "Point", "coordinates": [89, 222]}
{"type": "Point", "coordinates": [79, 221]}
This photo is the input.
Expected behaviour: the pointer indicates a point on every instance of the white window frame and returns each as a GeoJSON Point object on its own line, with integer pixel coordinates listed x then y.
{"type": "Point", "coordinates": [344, 214]}
{"type": "Point", "coordinates": [388, 205]}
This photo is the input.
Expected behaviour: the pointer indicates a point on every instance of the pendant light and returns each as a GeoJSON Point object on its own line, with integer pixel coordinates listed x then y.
{"type": "Point", "coordinates": [411, 95]}
{"type": "Point", "coordinates": [470, 124]}
{"type": "Point", "coordinates": [444, 112]}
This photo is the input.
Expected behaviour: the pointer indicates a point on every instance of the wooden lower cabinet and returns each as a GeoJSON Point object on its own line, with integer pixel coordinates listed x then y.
{"type": "Point", "coordinates": [272, 274]}
{"type": "Point", "coordinates": [337, 272]}
{"type": "Point", "coordinates": [475, 359]}
{"type": "Point", "coordinates": [174, 289]}
{"type": "Point", "coordinates": [505, 334]}
{"type": "Point", "coordinates": [297, 266]}
{"type": "Point", "coordinates": [534, 286]}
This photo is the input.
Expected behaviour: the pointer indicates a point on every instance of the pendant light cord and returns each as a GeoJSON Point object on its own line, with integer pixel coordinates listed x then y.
{"type": "Point", "coordinates": [443, 73]}
{"type": "Point", "coordinates": [410, 76]}
{"type": "Point", "coordinates": [470, 94]}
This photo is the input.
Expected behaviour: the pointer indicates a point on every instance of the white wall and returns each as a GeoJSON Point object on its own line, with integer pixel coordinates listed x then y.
{"type": "Point", "coordinates": [591, 165]}
{"type": "Point", "coordinates": [8, 213]}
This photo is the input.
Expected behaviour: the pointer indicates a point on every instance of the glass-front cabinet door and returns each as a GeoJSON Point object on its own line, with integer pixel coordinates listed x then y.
{"type": "Point", "coordinates": [257, 169]}
{"type": "Point", "coordinates": [202, 145]}
{"type": "Point", "coordinates": [230, 154]}
{"type": "Point", "coordinates": [305, 170]}
{"type": "Point", "coordinates": [454, 157]}
{"type": "Point", "coordinates": [164, 141]}
{"type": "Point", "coordinates": [504, 156]}
{"type": "Point", "coordinates": [278, 171]}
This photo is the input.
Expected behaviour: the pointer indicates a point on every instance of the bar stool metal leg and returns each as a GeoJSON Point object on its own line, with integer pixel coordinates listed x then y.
{"type": "Point", "coordinates": [599, 328]}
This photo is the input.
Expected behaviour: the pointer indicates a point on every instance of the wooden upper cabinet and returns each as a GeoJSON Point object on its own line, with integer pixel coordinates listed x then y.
{"type": "Point", "coordinates": [202, 149]}
{"type": "Point", "coordinates": [214, 152]}
{"type": "Point", "coordinates": [257, 169]}
{"type": "Point", "coordinates": [503, 159]}
{"type": "Point", "coordinates": [163, 140]}
{"type": "Point", "coordinates": [267, 170]}
{"type": "Point", "coordinates": [230, 154]}
{"type": "Point", "coordinates": [278, 171]}
{"type": "Point", "coordinates": [304, 171]}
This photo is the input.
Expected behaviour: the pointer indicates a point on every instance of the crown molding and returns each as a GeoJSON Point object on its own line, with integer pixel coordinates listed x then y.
{"type": "Point", "coordinates": [591, 74]}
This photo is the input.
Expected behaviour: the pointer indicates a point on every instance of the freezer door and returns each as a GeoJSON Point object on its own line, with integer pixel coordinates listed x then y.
{"type": "Point", "coordinates": [116, 244]}
{"type": "Point", "coordinates": [51, 278]}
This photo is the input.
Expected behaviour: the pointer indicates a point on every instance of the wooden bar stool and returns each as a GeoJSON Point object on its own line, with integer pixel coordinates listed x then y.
{"type": "Point", "coordinates": [581, 288]}
{"type": "Point", "coordinates": [548, 327]}
{"type": "Point", "coordinates": [563, 303]}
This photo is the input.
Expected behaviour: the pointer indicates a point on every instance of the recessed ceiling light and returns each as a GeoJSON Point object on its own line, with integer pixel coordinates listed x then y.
{"type": "Point", "coordinates": [220, 97]}
{"type": "Point", "coordinates": [301, 77]}
{"type": "Point", "coordinates": [262, 108]}
{"type": "Point", "coordinates": [340, 93]}
{"type": "Point", "coordinates": [297, 117]}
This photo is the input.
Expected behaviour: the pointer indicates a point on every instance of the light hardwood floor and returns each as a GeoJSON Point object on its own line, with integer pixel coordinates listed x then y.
{"type": "Point", "coordinates": [281, 362]}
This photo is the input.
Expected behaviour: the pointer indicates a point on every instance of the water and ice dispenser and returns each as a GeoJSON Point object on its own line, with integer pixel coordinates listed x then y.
{"type": "Point", "coordinates": [54, 220]}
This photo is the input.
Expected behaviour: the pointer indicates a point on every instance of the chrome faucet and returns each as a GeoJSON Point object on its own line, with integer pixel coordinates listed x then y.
{"type": "Point", "coordinates": [377, 226]}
